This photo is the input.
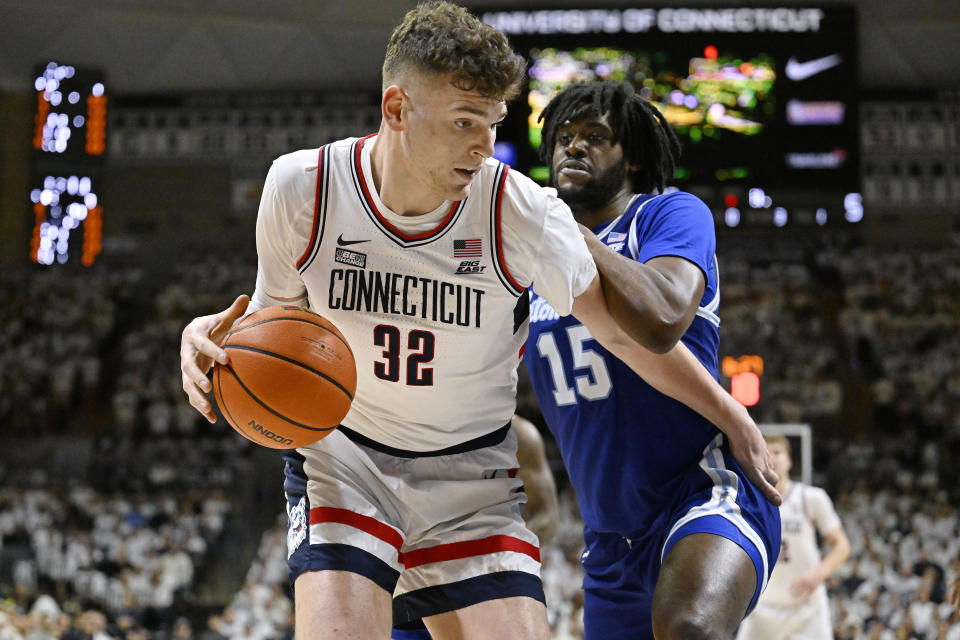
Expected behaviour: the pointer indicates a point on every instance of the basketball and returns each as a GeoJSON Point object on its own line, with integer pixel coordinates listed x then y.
{"type": "Point", "coordinates": [290, 379]}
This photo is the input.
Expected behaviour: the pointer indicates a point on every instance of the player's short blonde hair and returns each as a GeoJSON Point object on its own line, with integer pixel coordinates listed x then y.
{"type": "Point", "coordinates": [440, 38]}
{"type": "Point", "coordinates": [778, 438]}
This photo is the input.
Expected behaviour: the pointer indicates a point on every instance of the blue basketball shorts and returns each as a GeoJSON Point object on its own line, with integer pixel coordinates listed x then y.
{"type": "Point", "coordinates": [620, 574]}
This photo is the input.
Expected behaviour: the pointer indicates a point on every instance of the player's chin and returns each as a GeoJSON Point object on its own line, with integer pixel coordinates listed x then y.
{"type": "Point", "coordinates": [570, 183]}
{"type": "Point", "coordinates": [459, 191]}
{"type": "Point", "coordinates": [566, 191]}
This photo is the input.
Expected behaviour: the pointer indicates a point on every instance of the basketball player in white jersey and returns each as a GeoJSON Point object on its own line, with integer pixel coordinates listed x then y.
{"type": "Point", "coordinates": [794, 605]}
{"type": "Point", "coordinates": [420, 248]}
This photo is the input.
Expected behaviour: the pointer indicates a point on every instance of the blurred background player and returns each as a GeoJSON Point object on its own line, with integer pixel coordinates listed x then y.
{"type": "Point", "coordinates": [795, 606]}
{"type": "Point", "coordinates": [541, 511]}
{"type": "Point", "coordinates": [679, 542]}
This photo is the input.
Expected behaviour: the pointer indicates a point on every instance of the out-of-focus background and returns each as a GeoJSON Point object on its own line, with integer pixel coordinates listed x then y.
{"type": "Point", "coordinates": [134, 138]}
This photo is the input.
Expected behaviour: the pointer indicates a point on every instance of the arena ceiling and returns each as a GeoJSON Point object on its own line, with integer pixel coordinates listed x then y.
{"type": "Point", "coordinates": [161, 46]}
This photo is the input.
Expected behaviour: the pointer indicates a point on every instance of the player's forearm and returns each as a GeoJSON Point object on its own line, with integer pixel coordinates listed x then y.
{"type": "Point", "coordinates": [677, 373]}
{"type": "Point", "coordinates": [542, 519]}
{"type": "Point", "coordinates": [838, 554]}
{"type": "Point", "coordinates": [681, 376]}
{"type": "Point", "coordinates": [542, 510]}
{"type": "Point", "coordinates": [639, 298]}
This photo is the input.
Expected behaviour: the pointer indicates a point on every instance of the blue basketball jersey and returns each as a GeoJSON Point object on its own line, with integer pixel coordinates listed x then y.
{"type": "Point", "coordinates": [624, 444]}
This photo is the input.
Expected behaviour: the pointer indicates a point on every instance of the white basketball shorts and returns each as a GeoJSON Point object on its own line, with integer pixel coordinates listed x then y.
{"type": "Point", "coordinates": [808, 620]}
{"type": "Point", "coordinates": [438, 530]}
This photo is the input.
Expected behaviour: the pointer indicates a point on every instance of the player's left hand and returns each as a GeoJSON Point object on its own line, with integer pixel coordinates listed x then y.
{"type": "Point", "coordinates": [750, 450]}
{"type": "Point", "coordinates": [804, 586]}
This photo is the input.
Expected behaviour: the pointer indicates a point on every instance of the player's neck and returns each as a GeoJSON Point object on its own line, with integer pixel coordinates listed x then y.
{"type": "Point", "coordinates": [592, 218]}
{"type": "Point", "coordinates": [397, 188]}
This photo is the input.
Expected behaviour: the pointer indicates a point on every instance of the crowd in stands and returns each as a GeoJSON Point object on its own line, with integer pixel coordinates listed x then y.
{"type": "Point", "coordinates": [905, 546]}
{"type": "Point", "coordinates": [864, 344]}
{"type": "Point", "coordinates": [854, 338]}
{"type": "Point", "coordinates": [130, 558]}
{"type": "Point", "coordinates": [54, 330]}
{"type": "Point", "coordinates": [262, 608]}
{"type": "Point", "coordinates": [117, 552]}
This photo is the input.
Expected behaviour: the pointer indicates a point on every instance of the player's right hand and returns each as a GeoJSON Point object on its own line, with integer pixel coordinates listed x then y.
{"type": "Point", "coordinates": [804, 586]}
{"type": "Point", "coordinates": [750, 450]}
{"type": "Point", "coordinates": [200, 347]}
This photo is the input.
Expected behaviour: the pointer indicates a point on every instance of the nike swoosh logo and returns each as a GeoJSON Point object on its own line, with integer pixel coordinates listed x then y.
{"type": "Point", "coordinates": [347, 243]}
{"type": "Point", "coordinates": [798, 71]}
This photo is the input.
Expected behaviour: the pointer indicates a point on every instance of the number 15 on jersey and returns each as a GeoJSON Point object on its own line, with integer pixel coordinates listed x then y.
{"type": "Point", "coordinates": [593, 384]}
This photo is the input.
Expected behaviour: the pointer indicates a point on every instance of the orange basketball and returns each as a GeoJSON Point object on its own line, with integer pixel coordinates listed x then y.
{"type": "Point", "coordinates": [290, 379]}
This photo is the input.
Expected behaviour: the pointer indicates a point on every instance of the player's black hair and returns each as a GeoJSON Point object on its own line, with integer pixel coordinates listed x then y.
{"type": "Point", "coordinates": [650, 144]}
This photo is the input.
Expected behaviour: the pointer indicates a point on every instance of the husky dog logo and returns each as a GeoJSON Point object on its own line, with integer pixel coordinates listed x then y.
{"type": "Point", "coordinates": [296, 526]}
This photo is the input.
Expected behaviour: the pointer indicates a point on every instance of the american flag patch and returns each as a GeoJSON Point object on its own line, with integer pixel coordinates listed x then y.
{"type": "Point", "coordinates": [471, 248]}
{"type": "Point", "coordinates": [616, 236]}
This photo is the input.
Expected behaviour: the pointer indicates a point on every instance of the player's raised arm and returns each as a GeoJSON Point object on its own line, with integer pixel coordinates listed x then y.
{"type": "Point", "coordinates": [680, 375]}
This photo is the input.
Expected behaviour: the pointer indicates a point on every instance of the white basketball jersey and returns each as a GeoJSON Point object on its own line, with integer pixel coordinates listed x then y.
{"type": "Point", "coordinates": [434, 307]}
{"type": "Point", "coordinates": [805, 511]}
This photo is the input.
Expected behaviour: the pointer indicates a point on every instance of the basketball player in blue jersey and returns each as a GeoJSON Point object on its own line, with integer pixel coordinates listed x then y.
{"type": "Point", "coordinates": [679, 541]}
{"type": "Point", "coordinates": [420, 248]}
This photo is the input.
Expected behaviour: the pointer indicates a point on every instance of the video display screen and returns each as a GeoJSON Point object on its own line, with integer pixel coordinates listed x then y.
{"type": "Point", "coordinates": [755, 94]}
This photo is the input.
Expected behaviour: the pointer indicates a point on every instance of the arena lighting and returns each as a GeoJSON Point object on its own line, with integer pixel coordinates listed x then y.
{"type": "Point", "coordinates": [759, 199]}
{"type": "Point", "coordinates": [744, 373]}
{"type": "Point", "coordinates": [731, 216]}
{"type": "Point", "coordinates": [745, 388]}
{"type": "Point", "coordinates": [853, 207]}
{"type": "Point", "coordinates": [780, 217]}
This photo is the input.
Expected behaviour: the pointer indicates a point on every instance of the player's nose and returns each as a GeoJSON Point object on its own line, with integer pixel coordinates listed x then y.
{"type": "Point", "coordinates": [485, 142]}
{"type": "Point", "coordinates": [576, 148]}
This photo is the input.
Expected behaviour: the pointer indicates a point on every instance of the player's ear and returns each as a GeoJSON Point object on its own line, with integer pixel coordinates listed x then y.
{"type": "Point", "coordinates": [392, 107]}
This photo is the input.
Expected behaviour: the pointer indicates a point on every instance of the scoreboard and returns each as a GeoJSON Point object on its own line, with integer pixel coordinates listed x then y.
{"type": "Point", "coordinates": [69, 142]}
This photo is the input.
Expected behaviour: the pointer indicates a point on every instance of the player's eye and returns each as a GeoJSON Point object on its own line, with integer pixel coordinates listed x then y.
{"type": "Point", "coordinates": [564, 139]}
{"type": "Point", "coordinates": [596, 138]}
{"type": "Point", "coordinates": [462, 124]}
